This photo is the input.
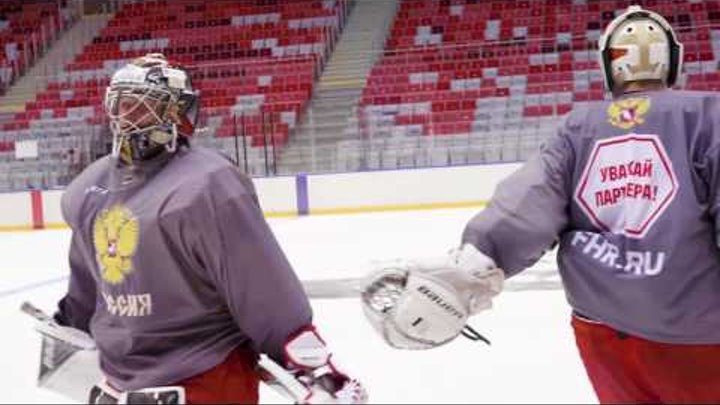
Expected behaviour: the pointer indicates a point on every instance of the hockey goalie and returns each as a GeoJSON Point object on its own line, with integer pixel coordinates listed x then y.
{"type": "Point", "coordinates": [175, 274]}
{"type": "Point", "coordinates": [629, 191]}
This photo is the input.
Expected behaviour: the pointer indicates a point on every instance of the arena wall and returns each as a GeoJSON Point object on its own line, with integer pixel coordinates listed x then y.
{"type": "Point", "coordinates": [315, 194]}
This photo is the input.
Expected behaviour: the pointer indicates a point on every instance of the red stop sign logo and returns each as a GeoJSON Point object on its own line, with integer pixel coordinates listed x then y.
{"type": "Point", "coordinates": [627, 184]}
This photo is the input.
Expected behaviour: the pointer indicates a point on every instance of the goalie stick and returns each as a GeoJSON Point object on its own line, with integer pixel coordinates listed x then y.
{"type": "Point", "coordinates": [335, 288]}
{"type": "Point", "coordinates": [73, 348]}
{"type": "Point", "coordinates": [353, 287]}
{"type": "Point", "coordinates": [543, 275]}
{"type": "Point", "coordinates": [281, 381]}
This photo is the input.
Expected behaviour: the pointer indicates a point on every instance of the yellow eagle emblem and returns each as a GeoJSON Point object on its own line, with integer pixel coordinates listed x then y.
{"type": "Point", "coordinates": [629, 112]}
{"type": "Point", "coordinates": [115, 235]}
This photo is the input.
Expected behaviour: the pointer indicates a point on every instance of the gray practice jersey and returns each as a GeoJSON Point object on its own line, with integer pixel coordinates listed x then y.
{"type": "Point", "coordinates": [173, 266]}
{"type": "Point", "coordinates": [629, 190]}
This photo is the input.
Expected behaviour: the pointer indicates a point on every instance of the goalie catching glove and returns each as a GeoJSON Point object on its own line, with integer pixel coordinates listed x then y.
{"type": "Point", "coordinates": [310, 361]}
{"type": "Point", "coordinates": [423, 304]}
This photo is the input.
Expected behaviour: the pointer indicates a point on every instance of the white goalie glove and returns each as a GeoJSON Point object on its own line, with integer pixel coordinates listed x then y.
{"type": "Point", "coordinates": [423, 304]}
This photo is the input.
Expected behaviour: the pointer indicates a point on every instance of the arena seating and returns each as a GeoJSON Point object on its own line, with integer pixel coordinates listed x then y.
{"type": "Point", "coordinates": [24, 27]}
{"type": "Point", "coordinates": [278, 47]}
{"type": "Point", "coordinates": [254, 63]}
{"type": "Point", "coordinates": [246, 57]}
{"type": "Point", "coordinates": [460, 81]}
{"type": "Point", "coordinates": [475, 67]}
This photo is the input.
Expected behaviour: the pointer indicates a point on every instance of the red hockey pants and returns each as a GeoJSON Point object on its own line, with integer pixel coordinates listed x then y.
{"type": "Point", "coordinates": [628, 369]}
{"type": "Point", "coordinates": [234, 381]}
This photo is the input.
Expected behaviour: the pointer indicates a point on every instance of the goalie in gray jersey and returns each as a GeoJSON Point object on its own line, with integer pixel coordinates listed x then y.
{"type": "Point", "coordinates": [174, 271]}
{"type": "Point", "coordinates": [629, 191]}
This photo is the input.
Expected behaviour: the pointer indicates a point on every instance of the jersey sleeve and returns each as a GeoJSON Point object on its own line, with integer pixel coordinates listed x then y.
{"type": "Point", "coordinates": [249, 268]}
{"type": "Point", "coordinates": [706, 163]}
{"type": "Point", "coordinates": [77, 307]}
{"type": "Point", "coordinates": [528, 209]}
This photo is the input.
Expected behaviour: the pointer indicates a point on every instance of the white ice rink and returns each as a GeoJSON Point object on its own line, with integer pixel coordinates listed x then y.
{"type": "Point", "coordinates": [533, 358]}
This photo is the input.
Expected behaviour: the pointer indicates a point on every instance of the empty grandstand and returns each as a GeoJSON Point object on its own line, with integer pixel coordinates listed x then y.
{"type": "Point", "coordinates": [320, 85]}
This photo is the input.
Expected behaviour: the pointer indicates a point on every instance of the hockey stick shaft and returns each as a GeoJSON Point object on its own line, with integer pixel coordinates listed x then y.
{"type": "Point", "coordinates": [354, 286]}
{"type": "Point", "coordinates": [334, 288]}
{"type": "Point", "coordinates": [281, 381]}
{"type": "Point", "coordinates": [35, 312]}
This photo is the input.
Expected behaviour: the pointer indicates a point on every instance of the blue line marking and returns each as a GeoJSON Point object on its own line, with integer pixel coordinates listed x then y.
{"type": "Point", "coordinates": [32, 286]}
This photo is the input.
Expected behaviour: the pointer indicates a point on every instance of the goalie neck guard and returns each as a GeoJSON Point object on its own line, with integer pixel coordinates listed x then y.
{"type": "Point", "coordinates": [151, 106]}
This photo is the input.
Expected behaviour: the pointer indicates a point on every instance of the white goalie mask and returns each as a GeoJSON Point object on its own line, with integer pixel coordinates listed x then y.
{"type": "Point", "coordinates": [149, 104]}
{"type": "Point", "coordinates": [639, 45]}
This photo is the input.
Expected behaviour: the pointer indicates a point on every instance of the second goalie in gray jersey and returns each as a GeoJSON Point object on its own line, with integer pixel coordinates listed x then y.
{"type": "Point", "coordinates": [629, 192]}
